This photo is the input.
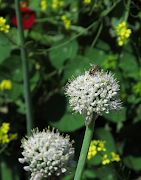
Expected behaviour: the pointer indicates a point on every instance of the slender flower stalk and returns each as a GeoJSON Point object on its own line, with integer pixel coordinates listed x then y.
{"type": "Point", "coordinates": [84, 150]}
{"type": "Point", "coordinates": [29, 114]}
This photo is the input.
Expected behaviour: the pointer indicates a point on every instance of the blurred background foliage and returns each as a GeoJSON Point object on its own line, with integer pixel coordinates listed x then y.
{"type": "Point", "coordinates": [65, 36]}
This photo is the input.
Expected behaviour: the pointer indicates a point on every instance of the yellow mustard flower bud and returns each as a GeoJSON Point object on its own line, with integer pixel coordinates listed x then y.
{"type": "Point", "coordinates": [105, 160]}
{"type": "Point", "coordinates": [43, 5]}
{"type": "Point", "coordinates": [87, 1]}
{"type": "Point", "coordinates": [5, 84]}
{"type": "Point", "coordinates": [5, 128]}
{"type": "Point", "coordinates": [115, 157]}
{"type": "Point", "coordinates": [63, 17]}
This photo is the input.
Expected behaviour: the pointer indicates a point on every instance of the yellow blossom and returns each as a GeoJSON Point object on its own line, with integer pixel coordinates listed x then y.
{"type": "Point", "coordinates": [105, 160]}
{"type": "Point", "coordinates": [66, 21]}
{"type": "Point", "coordinates": [87, 1]}
{"type": "Point", "coordinates": [115, 157]}
{"type": "Point", "coordinates": [3, 26]}
{"type": "Point", "coordinates": [5, 84]}
{"type": "Point", "coordinates": [5, 128]}
{"type": "Point", "coordinates": [61, 3]}
{"type": "Point", "coordinates": [43, 5]}
{"type": "Point", "coordinates": [54, 4]}
{"type": "Point", "coordinates": [64, 18]}
{"type": "Point", "coordinates": [5, 137]}
{"type": "Point", "coordinates": [95, 147]}
{"type": "Point", "coordinates": [123, 33]}
{"type": "Point", "coordinates": [92, 151]}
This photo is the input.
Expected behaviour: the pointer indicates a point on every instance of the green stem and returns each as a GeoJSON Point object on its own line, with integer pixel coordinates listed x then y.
{"type": "Point", "coordinates": [98, 34]}
{"type": "Point", "coordinates": [127, 11]}
{"type": "Point", "coordinates": [84, 150]}
{"type": "Point", "coordinates": [29, 115]}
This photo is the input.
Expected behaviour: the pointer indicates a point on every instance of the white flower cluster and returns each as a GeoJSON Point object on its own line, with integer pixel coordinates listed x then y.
{"type": "Point", "coordinates": [47, 153]}
{"type": "Point", "coordinates": [93, 93]}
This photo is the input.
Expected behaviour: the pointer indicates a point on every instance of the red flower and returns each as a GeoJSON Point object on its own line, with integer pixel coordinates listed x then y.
{"type": "Point", "coordinates": [28, 16]}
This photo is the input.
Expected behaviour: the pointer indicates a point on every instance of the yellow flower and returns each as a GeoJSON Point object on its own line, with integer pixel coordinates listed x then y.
{"type": "Point", "coordinates": [4, 139]}
{"type": "Point", "coordinates": [4, 136]}
{"type": "Point", "coordinates": [5, 128]}
{"type": "Point", "coordinates": [95, 147]}
{"type": "Point", "coordinates": [64, 18]}
{"type": "Point", "coordinates": [4, 27]}
{"type": "Point", "coordinates": [101, 146]}
{"type": "Point", "coordinates": [54, 4]}
{"type": "Point", "coordinates": [5, 84]}
{"type": "Point", "coordinates": [115, 157]}
{"type": "Point", "coordinates": [92, 151]}
{"type": "Point", "coordinates": [61, 3]}
{"type": "Point", "coordinates": [87, 1]}
{"type": "Point", "coordinates": [105, 160]}
{"type": "Point", "coordinates": [67, 22]}
{"type": "Point", "coordinates": [43, 5]}
{"type": "Point", "coordinates": [123, 33]}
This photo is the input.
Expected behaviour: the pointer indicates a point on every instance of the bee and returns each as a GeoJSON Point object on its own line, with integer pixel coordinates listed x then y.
{"type": "Point", "coordinates": [94, 69]}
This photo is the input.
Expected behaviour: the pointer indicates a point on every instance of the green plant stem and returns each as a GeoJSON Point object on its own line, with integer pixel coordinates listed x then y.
{"type": "Point", "coordinates": [98, 34]}
{"type": "Point", "coordinates": [84, 150]}
{"type": "Point", "coordinates": [29, 114]}
{"type": "Point", "coordinates": [127, 11]}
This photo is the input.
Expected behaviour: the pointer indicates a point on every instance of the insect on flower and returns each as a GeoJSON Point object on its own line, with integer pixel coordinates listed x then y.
{"type": "Point", "coordinates": [94, 68]}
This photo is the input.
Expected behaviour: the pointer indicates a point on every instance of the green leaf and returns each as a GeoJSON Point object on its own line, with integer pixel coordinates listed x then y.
{"type": "Point", "coordinates": [113, 117]}
{"type": "Point", "coordinates": [74, 67]}
{"type": "Point", "coordinates": [11, 69]}
{"type": "Point", "coordinates": [105, 173]}
{"type": "Point", "coordinates": [96, 160]}
{"type": "Point", "coordinates": [44, 38]}
{"type": "Point", "coordinates": [89, 173]}
{"type": "Point", "coordinates": [98, 54]}
{"type": "Point", "coordinates": [63, 52]}
{"type": "Point", "coordinates": [10, 167]}
{"type": "Point", "coordinates": [128, 62]}
{"type": "Point", "coordinates": [132, 154]}
{"type": "Point", "coordinates": [57, 110]}
{"type": "Point", "coordinates": [5, 48]}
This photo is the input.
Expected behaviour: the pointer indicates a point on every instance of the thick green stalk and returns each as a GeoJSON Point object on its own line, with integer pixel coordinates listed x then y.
{"type": "Point", "coordinates": [84, 150]}
{"type": "Point", "coordinates": [29, 114]}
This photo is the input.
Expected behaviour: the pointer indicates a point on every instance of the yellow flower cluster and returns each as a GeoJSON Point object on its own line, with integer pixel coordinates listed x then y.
{"type": "Point", "coordinates": [4, 136]}
{"type": "Point", "coordinates": [66, 21]}
{"type": "Point", "coordinates": [115, 157]}
{"type": "Point", "coordinates": [3, 26]}
{"type": "Point", "coordinates": [55, 3]}
{"type": "Point", "coordinates": [97, 146]}
{"type": "Point", "coordinates": [87, 1]}
{"type": "Point", "coordinates": [5, 84]}
{"type": "Point", "coordinates": [43, 5]}
{"type": "Point", "coordinates": [123, 33]}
